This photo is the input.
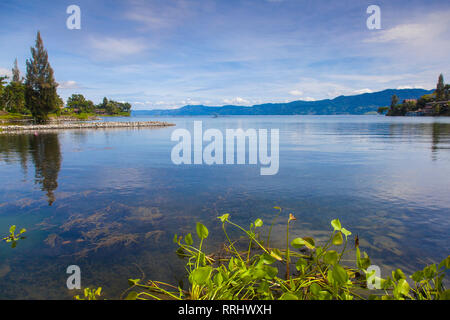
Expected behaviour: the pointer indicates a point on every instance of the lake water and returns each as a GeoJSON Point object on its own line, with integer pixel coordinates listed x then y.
{"type": "Point", "coordinates": [111, 200]}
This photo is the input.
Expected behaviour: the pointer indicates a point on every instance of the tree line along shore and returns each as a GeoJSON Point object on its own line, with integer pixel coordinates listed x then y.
{"type": "Point", "coordinates": [34, 98]}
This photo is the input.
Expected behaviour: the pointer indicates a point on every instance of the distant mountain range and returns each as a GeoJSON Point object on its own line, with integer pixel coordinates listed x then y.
{"type": "Point", "coordinates": [357, 104]}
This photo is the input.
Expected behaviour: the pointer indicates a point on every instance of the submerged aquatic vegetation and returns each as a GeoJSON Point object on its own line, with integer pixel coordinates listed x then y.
{"type": "Point", "coordinates": [318, 272]}
{"type": "Point", "coordinates": [90, 294]}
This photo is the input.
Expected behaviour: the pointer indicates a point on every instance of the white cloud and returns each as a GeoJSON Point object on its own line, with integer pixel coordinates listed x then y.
{"type": "Point", "coordinates": [237, 100]}
{"type": "Point", "coordinates": [403, 32]}
{"type": "Point", "coordinates": [112, 48]}
{"type": "Point", "coordinates": [68, 85]}
{"type": "Point", "coordinates": [370, 78]}
{"type": "Point", "coordinates": [361, 91]}
{"type": "Point", "coordinates": [166, 14]}
{"type": "Point", "coordinates": [410, 87]}
{"type": "Point", "coordinates": [296, 93]}
{"type": "Point", "coordinates": [428, 29]}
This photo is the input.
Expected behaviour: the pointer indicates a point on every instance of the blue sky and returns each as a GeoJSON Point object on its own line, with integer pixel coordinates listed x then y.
{"type": "Point", "coordinates": [169, 53]}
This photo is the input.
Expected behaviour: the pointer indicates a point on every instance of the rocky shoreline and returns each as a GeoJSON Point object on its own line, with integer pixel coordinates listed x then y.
{"type": "Point", "coordinates": [83, 125]}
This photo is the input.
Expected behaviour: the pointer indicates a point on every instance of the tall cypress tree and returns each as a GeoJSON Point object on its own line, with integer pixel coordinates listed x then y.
{"type": "Point", "coordinates": [440, 88]}
{"type": "Point", "coordinates": [394, 101]}
{"type": "Point", "coordinates": [16, 72]}
{"type": "Point", "coordinates": [40, 86]}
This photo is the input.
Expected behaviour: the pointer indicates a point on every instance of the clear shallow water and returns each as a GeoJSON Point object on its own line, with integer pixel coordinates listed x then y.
{"type": "Point", "coordinates": [117, 199]}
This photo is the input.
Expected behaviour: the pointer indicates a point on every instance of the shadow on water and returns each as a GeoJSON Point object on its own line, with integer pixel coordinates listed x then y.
{"type": "Point", "coordinates": [440, 138]}
{"type": "Point", "coordinates": [438, 133]}
{"type": "Point", "coordinates": [45, 153]}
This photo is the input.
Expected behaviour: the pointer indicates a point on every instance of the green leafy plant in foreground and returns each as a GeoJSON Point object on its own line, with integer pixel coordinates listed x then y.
{"type": "Point", "coordinates": [317, 270]}
{"type": "Point", "coordinates": [13, 237]}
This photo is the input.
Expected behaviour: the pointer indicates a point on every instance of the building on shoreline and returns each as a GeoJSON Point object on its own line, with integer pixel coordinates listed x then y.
{"type": "Point", "coordinates": [431, 109]}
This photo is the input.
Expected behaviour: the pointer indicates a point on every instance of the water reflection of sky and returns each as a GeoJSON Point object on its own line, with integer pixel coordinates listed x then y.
{"type": "Point", "coordinates": [109, 199]}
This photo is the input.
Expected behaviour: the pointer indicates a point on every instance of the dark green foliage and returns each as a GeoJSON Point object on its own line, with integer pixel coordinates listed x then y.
{"type": "Point", "coordinates": [41, 97]}
{"type": "Point", "coordinates": [440, 88]}
{"type": "Point", "coordinates": [382, 110]}
{"type": "Point", "coordinates": [112, 107]}
{"type": "Point", "coordinates": [13, 98]}
{"type": "Point", "coordinates": [79, 102]}
{"type": "Point", "coordinates": [2, 88]}
{"type": "Point", "coordinates": [394, 101]}
{"type": "Point", "coordinates": [425, 99]}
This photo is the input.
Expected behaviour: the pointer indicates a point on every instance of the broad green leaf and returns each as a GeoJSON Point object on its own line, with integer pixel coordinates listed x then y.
{"type": "Point", "coordinates": [132, 296]}
{"type": "Point", "coordinates": [386, 283]}
{"type": "Point", "coordinates": [417, 276]}
{"type": "Point", "coordinates": [429, 271]}
{"type": "Point", "coordinates": [231, 264]}
{"type": "Point", "coordinates": [201, 275]}
{"type": "Point", "coordinates": [445, 263]}
{"type": "Point", "coordinates": [309, 242]}
{"type": "Point", "coordinates": [188, 239]}
{"type": "Point", "coordinates": [298, 243]}
{"type": "Point", "coordinates": [336, 224]}
{"type": "Point", "coordinates": [12, 229]}
{"type": "Point", "coordinates": [202, 231]}
{"type": "Point", "coordinates": [258, 273]}
{"type": "Point", "coordinates": [218, 279]}
{"type": "Point", "coordinates": [365, 263]}
{"type": "Point", "coordinates": [331, 257]}
{"type": "Point", "coordinates": [315, 289]}
{"type": "Point", "coordinates": [267, 259]}
{"type": "Point", "coordinates": [271, 271]}
{"type": "Point", "coordinates": [398, 274]}
{"type": "Point", "coordinates": [339, 274]}
{"type": "Point", "coordinates": [288, 296]}
{"type": "Point", "coordinates": [338, 239]}
{"type": "Point", "coordinates": [325, 295]}
{"type": "Point", "coordinates": [402, 288]}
